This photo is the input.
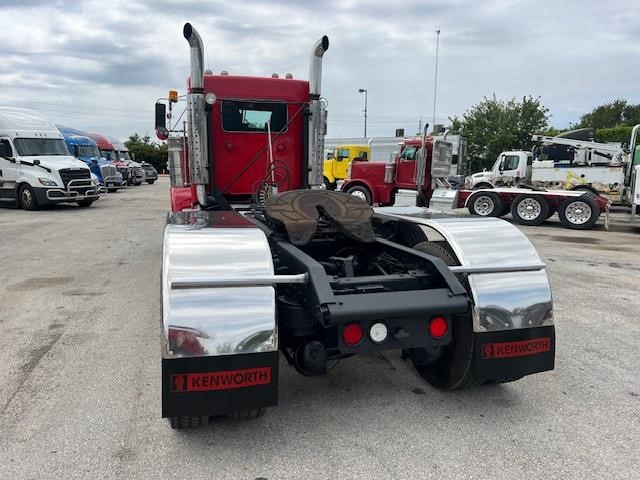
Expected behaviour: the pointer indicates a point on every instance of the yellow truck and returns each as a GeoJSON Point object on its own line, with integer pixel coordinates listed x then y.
{"type": "Point", "coordinates": [336, 166]}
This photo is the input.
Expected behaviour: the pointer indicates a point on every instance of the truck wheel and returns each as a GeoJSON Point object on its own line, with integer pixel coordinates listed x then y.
{"type": "Point", "coordinates": [85, 203]}
{"type": "Point", "coordinates": [27, 198]}
{"type": "Point", "coordinates": [150, 182]}
{"type": "Point", "coordinates": [454, 368]}
{"type": "Point", "coordinates": [247, 414]}
{"type": "Point", "coordinates": [111, 190]}
{"type": "Point", "coordinates": [579, 213]}
{"type": "Point", "coordinates": [550, 213]}
{"type": "Point", "coordinates": [486, 204]}
{"type": "Point", "coordinates": [180, 423]}
{"type": "Point", "coordinates": [529, 209]}
{"type": "Point", "coordinates": [328, 185]}
{"type": "Point", "coordinates": [361, 192]}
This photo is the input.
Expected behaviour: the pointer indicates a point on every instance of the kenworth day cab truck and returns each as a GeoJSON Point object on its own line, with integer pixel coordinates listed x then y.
{"type": "Point", "coordinates": [86, 150]}
{"type": "Point", "coordinates": [259, 259]}
{"type": "Point", "coordinates": [36, 168]}
{"type": "Point", "coordinates": [123, 154]}
{"type": "Point", "coordinates": [336, 167]}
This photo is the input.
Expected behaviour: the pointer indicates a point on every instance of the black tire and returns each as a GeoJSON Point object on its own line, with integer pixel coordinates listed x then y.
{"type": "Point", "coordinates": [579, 213]}
{"type": "Point", "coordinates": [454, 369]}
{"type": "Point", "coordinates": [111, 190]}
{"type": "Point", "coordinates": [150, 182]}
{"type": "Point", "coordinates": [361, 192]}
{"type": "Point", "coordinates": [27, 199]}
{"type": "Point", "coordinates": [482, 185]}
{"type": "Point", "coordinates": [246, 414]}
{"type": "Point", "coordinates": [180, 423]}
{"type": "Point", "coordinates": [528, 209]}
{"type": "Point", "coordinates": [327, 184]}
{"type": "Point", "coordinates": [485, 204]}
{"type": "Point", "coordinates": [85, 203]}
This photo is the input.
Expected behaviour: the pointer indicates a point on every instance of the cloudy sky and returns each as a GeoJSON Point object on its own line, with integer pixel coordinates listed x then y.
{"type": "Point", "coordinates": [100, 66]}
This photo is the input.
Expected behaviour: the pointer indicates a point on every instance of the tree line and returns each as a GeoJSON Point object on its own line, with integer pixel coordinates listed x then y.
{"type": "Point", "coordinates": [494, 125]}
{"type": "Point", "coordinates": [147, 151]}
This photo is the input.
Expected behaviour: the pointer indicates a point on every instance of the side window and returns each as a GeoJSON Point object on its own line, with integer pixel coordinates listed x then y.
{"type": "Point", "coordinates": [510, 162]}
{"type": "Point", "coordinates": [363, 155]}
{"type": "Point", "coordinates": [529, 160]}
{"type": "Point", "coordinates": [409, 153]}
{"type": "Point", "coordinates": [5, 148]}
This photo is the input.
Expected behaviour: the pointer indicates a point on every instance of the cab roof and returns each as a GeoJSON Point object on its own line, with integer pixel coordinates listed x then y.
{"type": "Point", "coordinates": [26, 122]}
{"type": "Point", "coordinates": [257, 88]}
{"type": "Point", "coordinates": [75, 137]}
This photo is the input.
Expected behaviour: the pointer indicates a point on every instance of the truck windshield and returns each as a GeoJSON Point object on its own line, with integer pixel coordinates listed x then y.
{"type": "Point", "coordinates": [87, 151]}
{"type": "Point", "coordinates": [29, 147]}
{"type": "Point", "coordinates": [343, 153]}
{"type": "Point", "coordinates": [123, 155]}
{"type": "Point", "coordinates": [109, 154]}
{"type": "Point", "coordinates": [253, 116]}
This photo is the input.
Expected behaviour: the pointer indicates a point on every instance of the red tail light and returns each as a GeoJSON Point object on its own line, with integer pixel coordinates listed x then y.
{"type": "Point", "coordinates": [352, 334]}
{"type": "Point", "coordinates": [438, 327]}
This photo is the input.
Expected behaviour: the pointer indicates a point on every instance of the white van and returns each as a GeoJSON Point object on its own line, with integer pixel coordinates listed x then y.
{"type": "Point", "coordinates": [36, 168]}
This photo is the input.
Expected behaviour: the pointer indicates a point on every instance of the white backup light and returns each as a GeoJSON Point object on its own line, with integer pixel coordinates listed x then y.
{"type": "Point", "coordinates": [378, 332]}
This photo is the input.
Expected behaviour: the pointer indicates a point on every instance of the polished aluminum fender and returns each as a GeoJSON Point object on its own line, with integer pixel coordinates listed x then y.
{"type": "Point", "coordinates": [217, 287]}
{"type": "Point", "coordinates": [507, 278]}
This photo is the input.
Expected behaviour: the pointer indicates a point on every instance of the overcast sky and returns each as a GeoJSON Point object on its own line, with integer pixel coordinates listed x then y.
{"type": "Point", "coordinates": [100, 66]}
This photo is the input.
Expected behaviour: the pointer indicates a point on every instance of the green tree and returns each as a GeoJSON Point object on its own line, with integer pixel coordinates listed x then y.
{"type": "Point", "coordinates": [493, 126]}
{"type": "Point", "coordinates": [612, 114]}
{"type": "Point", "coordinates": [147, 151]}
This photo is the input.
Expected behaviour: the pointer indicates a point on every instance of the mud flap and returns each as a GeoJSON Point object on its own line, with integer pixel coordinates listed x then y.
{"type": "Point", "coordinates": [219, 385]}
{"type": "Point", "coordinates": [511, 354]}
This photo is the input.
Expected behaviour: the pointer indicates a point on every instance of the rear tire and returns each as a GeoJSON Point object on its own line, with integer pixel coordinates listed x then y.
{"type": "Point", "coordinates": [112, 190]}
{"type": "Point", "coordinates": [362, 193]}
{"type": "Point", "coordinates": [27, 199]}
{"type": "Point", "coordinates": [150, 182]}
{"type": "Point", "coordinates": [579, 213]}
{"type": "Point", "coordinates": [328, 185]}
{"type": "Point", "coordinates": [85, 203]}
{"type": "Point", "coordinates": [181, 423]}
{"type": "Point", "coordinates": [454, 369]}
{"type": "Point", "coordinates": [528, 209]}
{"type": "Point", "coordinates": [485, 204]}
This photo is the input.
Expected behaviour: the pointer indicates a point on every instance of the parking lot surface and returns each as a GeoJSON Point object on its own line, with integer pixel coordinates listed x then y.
{"type": "Point", "coordinates": [80, 372]}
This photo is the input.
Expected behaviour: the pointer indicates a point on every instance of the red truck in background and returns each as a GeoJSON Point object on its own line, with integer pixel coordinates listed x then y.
{"type": "Point", "coordinates": [420, 161]}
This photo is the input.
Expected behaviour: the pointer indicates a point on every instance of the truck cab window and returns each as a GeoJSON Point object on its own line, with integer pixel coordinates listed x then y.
{"type": "Point", "coordinates": [409, 153]}
{"type": "Point", "coordinates": [253, 116]}
{"type": "Point", "coordinates": [511, 162]}
{"type": "Point", "coordinates": [29, 147]}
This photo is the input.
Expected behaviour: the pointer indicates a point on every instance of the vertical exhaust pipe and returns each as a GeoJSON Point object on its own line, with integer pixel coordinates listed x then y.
{"type": "Point", "coordinates": [197, 127]}
{"type": "Point", "coordinates": [317, 117]}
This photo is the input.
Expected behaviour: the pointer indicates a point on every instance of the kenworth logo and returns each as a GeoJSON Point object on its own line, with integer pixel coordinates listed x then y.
{"type": "Point", "coordinates": [516, 349]}
{"type": "Point", "coordinates": [226, 380]}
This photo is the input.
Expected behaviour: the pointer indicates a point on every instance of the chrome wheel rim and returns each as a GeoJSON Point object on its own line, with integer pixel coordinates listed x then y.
{"type": "Point", "coordinates": [483, 205]}
{"type": "Point", "coordinates": [529, 209]}
{"type": "Point", "coordinates": [359, 194]}
{"type": "Point", "coordinates": [27, 198]}
{"type": "Point", "coordinates": [578, 213]}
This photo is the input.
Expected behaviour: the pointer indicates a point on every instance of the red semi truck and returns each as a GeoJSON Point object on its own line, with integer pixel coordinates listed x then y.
{"type": "Point", "coordinates": [260, 261]}
{"type": "Point", "coordinates": [420, 160]}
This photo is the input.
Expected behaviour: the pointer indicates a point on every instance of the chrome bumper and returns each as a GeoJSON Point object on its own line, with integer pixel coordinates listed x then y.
{"type": "Point", "coordinates": [71, 193]}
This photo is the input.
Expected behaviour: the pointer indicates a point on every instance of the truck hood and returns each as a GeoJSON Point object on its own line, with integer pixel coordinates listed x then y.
{"type": "Point", "coordinates": [56, 162]}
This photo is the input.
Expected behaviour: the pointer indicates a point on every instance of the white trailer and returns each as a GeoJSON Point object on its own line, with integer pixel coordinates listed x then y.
{"type": "Point", "coordinates": [36, 167]}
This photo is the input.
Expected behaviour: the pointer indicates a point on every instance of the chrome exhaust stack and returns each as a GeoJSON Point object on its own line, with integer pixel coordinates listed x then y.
{"type": "Point", "coordinates": [317, 118]}
{"type": "Point", "coordinates": [197, 125]}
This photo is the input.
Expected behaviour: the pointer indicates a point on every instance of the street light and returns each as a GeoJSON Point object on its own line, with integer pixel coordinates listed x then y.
{"type": "Point", "coordinates": [362, 90]}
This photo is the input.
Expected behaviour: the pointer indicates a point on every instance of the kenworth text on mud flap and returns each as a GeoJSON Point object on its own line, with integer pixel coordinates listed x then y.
{"type": "Point", "coordinates": [36, 168]}
{"type": "Point", "coordinates": [259, 260]}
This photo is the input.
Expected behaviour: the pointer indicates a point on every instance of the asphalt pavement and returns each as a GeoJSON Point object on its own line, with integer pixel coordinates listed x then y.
{"type": "Point", "coordinates": [80, 372]}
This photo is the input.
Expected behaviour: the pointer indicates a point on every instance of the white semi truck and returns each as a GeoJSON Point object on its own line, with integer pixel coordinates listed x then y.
{"type": "Point", "coordinates": [36, 167]}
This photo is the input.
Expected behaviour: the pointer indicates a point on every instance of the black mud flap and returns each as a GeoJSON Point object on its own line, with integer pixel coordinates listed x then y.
{"type": "Point", "coordinates": [210, 386]}
{"type": "Point", "coordinates": [511, 354]}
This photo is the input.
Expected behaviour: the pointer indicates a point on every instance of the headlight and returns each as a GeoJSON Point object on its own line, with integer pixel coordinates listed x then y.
{"type": "Point", "coordinates": [94, 178]}
{"type": "Point", "coordinates": [47, 182]}
{"type": "Point", "coordinates": [468, 182]}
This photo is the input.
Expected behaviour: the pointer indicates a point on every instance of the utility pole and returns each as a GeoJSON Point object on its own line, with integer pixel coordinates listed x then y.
{"type": "Point", "coordinates": [419, 127]}
{"type": "Point", "coordinates": [362, 90]}
{"type": "Point", "coordinates": [435, 81]}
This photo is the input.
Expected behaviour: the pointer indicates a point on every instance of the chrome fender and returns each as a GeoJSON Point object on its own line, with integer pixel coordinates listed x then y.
{"type": "Point", "coordinates": [507, 278]}
{"type": "Point", "coordinates": [217, 297]}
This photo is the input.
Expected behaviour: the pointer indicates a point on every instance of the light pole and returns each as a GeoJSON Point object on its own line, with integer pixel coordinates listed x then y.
{"type": "Point", "coordinates": [435, 80]}
{"type": "Point", "coordinates": [362, 90]}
